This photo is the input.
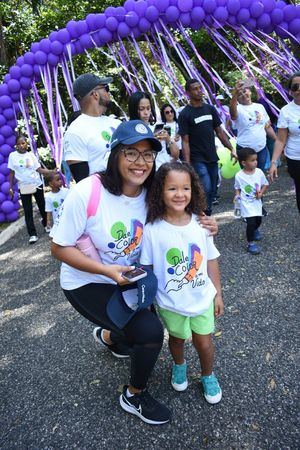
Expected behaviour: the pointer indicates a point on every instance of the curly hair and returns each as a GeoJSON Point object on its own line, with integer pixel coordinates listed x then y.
{"type": "Point", "coordinates": [155, 202]}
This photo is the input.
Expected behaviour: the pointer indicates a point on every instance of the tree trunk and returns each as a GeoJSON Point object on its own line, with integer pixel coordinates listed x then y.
{"type": "Point", "coordinates": [3, 57]}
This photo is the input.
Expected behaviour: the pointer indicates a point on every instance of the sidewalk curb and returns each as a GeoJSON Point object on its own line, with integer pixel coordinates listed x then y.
{"type": "Point", "coordinates": [11, 230]}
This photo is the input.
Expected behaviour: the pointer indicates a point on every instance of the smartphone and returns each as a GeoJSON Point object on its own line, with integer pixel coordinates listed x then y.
{"type": "Point", "coordinates": [135, 274]}
{"type": "Point", "coordinates": [158, 128]}
{"type": "Point", "coordinates": [168, 129]}
{"type": "Point", "coordinates": [248, 82]}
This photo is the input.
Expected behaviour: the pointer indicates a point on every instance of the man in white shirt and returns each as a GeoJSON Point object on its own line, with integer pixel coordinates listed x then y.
{"type": "Point", "coordinates": [86, 141]}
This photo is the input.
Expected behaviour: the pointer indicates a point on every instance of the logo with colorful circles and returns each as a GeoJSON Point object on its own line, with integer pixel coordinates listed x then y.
{"type": "Point", "coordinates": [125, 243]}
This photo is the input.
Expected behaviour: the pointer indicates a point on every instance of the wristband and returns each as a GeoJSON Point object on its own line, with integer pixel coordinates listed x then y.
{"type": "Point", "coordinates": [274, 162]}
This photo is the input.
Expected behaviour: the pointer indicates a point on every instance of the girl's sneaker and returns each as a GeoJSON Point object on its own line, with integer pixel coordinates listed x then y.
{"type": "Point", "coordinates": [253, 249]}
{"type": "Point", "coordinates": [179, 380]}
{"type": "Point", "coordinates": [211, 389]}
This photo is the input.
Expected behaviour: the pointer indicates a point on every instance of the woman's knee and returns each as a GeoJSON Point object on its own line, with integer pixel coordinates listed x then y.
{"type": "Point", "coordinates": [146, 328]}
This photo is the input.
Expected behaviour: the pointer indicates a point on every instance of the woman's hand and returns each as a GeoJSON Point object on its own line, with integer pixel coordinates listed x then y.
{"type": "Point", "coordinates": [163, 135]}
{"type": "Point", "coordinates": [115, 271]}
{"type": "Point", "coordinates": [219, 305]}
{"type": "Point", "coordinates": [209, 223]}
{"type": "Point", "coordinates": [273, 172]}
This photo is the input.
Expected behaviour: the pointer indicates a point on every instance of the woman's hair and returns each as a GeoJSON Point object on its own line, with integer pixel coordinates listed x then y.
{"type": "Point", "coordinates": [162, 112]}
{"type": "Point", "coordinates": [155, 202]}
{"type": "Point", "coordinates": [291, 79]}
{"type": "Point", "coordinates": [133, 106]}
{"type": "Point", "coordinates": [111, 177]}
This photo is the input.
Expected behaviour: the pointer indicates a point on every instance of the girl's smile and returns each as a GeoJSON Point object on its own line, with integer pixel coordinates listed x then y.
{"type": "Point", "coordinates": [177, 192]}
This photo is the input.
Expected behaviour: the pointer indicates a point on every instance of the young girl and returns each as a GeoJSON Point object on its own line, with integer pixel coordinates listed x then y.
{"type": "Point", "coordinates": [141, 107]}
{"type": "Point", "coordinates": [54, 199]}
{"type": "Point", "coordinates": [250, 185]}
{"type": "Point", "coordinates": [25, 167]}
{"type": "Point", "coordinates": [184, 260]}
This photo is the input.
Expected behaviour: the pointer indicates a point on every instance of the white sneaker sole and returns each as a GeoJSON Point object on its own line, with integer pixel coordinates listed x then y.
{"type": "Point", "coordinates": [103, 346]}
{"type": "Point", "coordinates": [135, 412]}
{"type": "Point", "coordinates": [213, 400]}
{"type": "Point", "coordinates": [180, 387]}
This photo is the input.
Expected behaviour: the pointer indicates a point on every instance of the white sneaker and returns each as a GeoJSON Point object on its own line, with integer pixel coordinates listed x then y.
{"type": "Point", "coordinates": [47, 229]}
{"type": "Point", "coordinates": [33, 239]}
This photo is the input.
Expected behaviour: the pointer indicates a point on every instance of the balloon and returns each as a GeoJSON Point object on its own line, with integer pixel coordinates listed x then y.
{"type": "Point", "coordinates": [162, 5]}
{"type": "Point", "coordinates": [82, 27]}
{"type": "Point", "coordinates": [26, 70]}
{"type": "Point", "coordinates": [110, 11]}
{"type": "Point", "coordinates": [111, 23]}
{"type": "Point", "coordinates": [2, 196]}
{"type": "Point", "coordinates": [9, 113]}
{"type": "Point", "coordinates": [123, 30]}
{"type": "Point", "coordinates": [52, 59]}
{"type": "Point", "coordinates": [15, 96]}
{"type": "Point", "coordinates": [6, 149]}
{"type": "Point", "coordinates": [209, 6]}
{"type": "Point", "coordinates": [256, 9]}
{"type": "Point", "coordinates": [172, 14]}
{"type": "Point", "coordinates": [136, 32]}
{"type": "Point", "coordinates": [144, 25]}
{"type": "Point", "coordinates": [25, 82]}
{"type": "Point", "coordinates": [29, 58]}
{"type": "Point", "coordinates": [229, 170]}
{"type": "Point", "coordinates": [20, 61]}
{"type": "Point", "coordinates": [11, 140]}
{"type": "Point", "coordinates": [120, 13]}
{"type": "Point", "coordinates": [129, 5]}
{"type": "Point", "coordinates": [221, 14]}
{"type": "Point", "coordinates": [294, 26]}
{"type": "Point", "coordinates": [3, 89]}
{"type": "Point", "coordinates": [15, 200]}
{"type": "Point", "coordinates": [223, 154]}
{"type": "Point", "coordinates": [140, 7]}
{"type": "Point", "coordinates": [251, 24]}
{"type": "Point", "coordinates": [263, 21]}
{"type": "Point", "coordinates": [233, 6]}
{"type": "Point", "coordinates": [277, 16]}
{"type": "Point", "coordinates": [243, 16]}
{"type": "Point", "coordinates": [7, 207]}
{"type": "Point", "coordinates": [34, 47]}
{"type": "Point", "coordinates": [6, 78]}
{"type": "Point", "coordinates": [11, 217]}
{"type": "Point", "coordinates": [280, 30]}
{"type": "Point", "coordinates": [2, 120]}
{"type": "Point", "coordinates": [6, 131]}
{"type": "Point", "coordinates": [269, 5]}
{"type": "Point", "coordinates": [132, 19]}
{"type": "Point", "coordinates": [1, 161]}
{"type": "Point", "coordinates": [5, 101]}
{"type": "Point", "coordinates": [86, 41]}
{"type": "Point", "coordinates": [56, 47]}
{"type": "Point", "coordinates": [2, 217]}
{"type": "Point", "coordinates": [63, 36]}
{"type": "Point", "coordinates": [198, 3]}
{"type": "Point", "coordinates": [289, 13]}
{"type": "Point", "coordinates": [198, 14]}
{"type": "Point", "coordinates": [53, 36]}
{"type": "Point", "coordinates": [221, 2]}
{"type": "Point", "coordinates": [209, 20]}
{"type": "Point", "coordinates": [4, 169]}
{"type": "Point", "coordinates": [2, 139]}
{"type": "Point", "coordinates": [12, 123]}
{"type": "Point", "coordinates": [15, 72]}
{"type": "Point", "coordinates": [100, 21]}
{"type": "Point", "coordinates": [185, 5]}
{"type": "Point", "coordinates": [105, 35]}
{"type": "Point", "coordinates": [185, 19]}
{"type": "Point", "coordinates": [152, 14]}
{"type": "Point", "coordinates": [90, 21]}
{"type": "Point", "coordinates": [44, 46]}
{"type": "Point", "coordinates": [40, 58]}
{"type": "Point", "coordinates": [72, 29]}
{"type": "Point", "coordinates": [13, 86]}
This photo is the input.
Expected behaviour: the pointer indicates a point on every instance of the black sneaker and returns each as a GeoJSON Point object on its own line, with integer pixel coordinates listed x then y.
{"type": "Point", "coordinates": [145, 407]}
{"type": "Point", "coordinates": [118, 350]}
{"type": "Point", "coordinates": [264, 212]}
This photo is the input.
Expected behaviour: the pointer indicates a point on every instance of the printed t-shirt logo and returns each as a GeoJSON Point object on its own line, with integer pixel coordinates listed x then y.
{"type": "Point", "coordinates": [126, 243]}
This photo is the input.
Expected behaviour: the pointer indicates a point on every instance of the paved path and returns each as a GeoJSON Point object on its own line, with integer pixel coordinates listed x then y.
{"type": "Point", "coordinates": [58, 391]}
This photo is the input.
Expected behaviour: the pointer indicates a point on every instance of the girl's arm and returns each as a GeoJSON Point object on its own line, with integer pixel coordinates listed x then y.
{"type": "Point", "coordinates": [75, 258]}
{"type": "Point", "coordinates": [44, 171]}
{"type": "Point", "coordinates": [214, 274]}
{"type": "Point", "coordinates": [11, 182]}
{"type": "Point", "coordinates": [49, 219]}
{"type": "Point", "coordinates": [237, 193]}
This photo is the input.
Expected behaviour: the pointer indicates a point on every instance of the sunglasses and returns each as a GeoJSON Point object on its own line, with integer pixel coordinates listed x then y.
{"type": "Point", "coordinates": [169, 112]}
{"type": "Point", "coordinates": [106, 88]}
{"type": "Point", "coordinates": [295, 87]}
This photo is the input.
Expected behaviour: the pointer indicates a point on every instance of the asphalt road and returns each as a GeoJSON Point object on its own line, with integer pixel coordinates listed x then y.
{"type": "Point", "coordinates": [59, 391]}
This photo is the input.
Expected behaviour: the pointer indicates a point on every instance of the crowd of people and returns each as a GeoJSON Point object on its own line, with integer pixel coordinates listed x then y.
{"type": "Point", "coordinates": [144, 195]}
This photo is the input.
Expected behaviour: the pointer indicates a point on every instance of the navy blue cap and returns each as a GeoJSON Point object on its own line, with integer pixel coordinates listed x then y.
{"type": "Point", "coordinates": [86, 82]}
{"type": "Point", "coordinates": [131, 132]}
{"type": "Point", "coordinates": [117, 309]}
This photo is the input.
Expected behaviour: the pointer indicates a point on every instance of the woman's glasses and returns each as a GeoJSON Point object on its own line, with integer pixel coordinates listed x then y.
{"type": "Point", "coordinates": [132, 155]}
{"type": "Point", "coordinates": [295, 87]}
{"type": "Point", "coordinates": [169, 111]}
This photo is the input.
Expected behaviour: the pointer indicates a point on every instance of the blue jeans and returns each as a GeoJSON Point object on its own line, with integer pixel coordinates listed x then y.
{"type": "Point", "coordinates": [208, 174]}
{"type": "Point", "coordinates": [261, 156]}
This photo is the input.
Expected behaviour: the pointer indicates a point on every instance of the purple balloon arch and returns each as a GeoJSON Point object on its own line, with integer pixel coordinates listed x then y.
{"type": "Point", "coordinates": [134, 19]}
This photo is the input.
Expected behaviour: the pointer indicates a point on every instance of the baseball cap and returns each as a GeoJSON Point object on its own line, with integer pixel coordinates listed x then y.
{"type": "Point", "coordinates": [143, 290]}
{"type": "Point", "coordinates": [131, 132]}
{"type": "Point", "coordinates": [220, 97]}
{"type": "Point", "coordinates": [86, 82]}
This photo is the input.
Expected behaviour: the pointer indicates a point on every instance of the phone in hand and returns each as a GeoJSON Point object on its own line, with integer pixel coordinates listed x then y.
{"type": "Point", "coordinates": [158, 128]}
{"type": "Point", "coordinates": [134, 275]}
{"type": "Point", "coordinates": [168, 129]}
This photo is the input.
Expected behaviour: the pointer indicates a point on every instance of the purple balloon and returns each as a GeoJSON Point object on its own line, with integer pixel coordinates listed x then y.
{"type": "Point", "coordinates": [221, 2]}
{"type": "Point", "coordinates": [209, 6]}
{"type": "Point", "coordinates": [10, 140]}
{"type": "Point", "coordinates": [6, 150]}
{"type": "Point", "coordinates": [1, 161]}
{"type": "Point", "coordinates": [57, 47]}
{"type": "Point", "coordinates": [72, 28]}
{"type": "Point", "coordinates": [63, 36]}
{"type": "Point", "coordinates": [294, 26]}
{"type": "Point", "coordinates": [281, 30]}
{"type": "Point", "coordinates": [123, 30]}
{"type": "Point", "coordinates": [129, 5]}
{"type": "Point", "coordinates": [26, 70]}
{"type": "Point", "coordinates": [198, 3]}
{"type": "Point", "coordinates": [2, 120]}
{"type": "Point", "coordinates": [132, 19]}
{"type": "Point", "coordinates": [243, 16]}
{"type": "Point", "coordinates": [25, 82]}
{"type": "Point", "coordinates": [269, 5]}
{"type": "Point", "coordinates": [256, 9]}
{"type": "Point", "coordinates": [162, 5]}
{"type": "Point", "coordinates": [3, 89]}
{"type": "Point", "coordinates": [233, 6]}
{"type": "Point", "coordinates": [90, 21]}
{"type": "Point", "coordinates": [9, 113]}
{"type": "Point", "coordinates": [120, 13]}
{"type": "Point", "coordinates": [12, 217]}
{"type": "Point", "coordinates": [52, 59]}
{"type": "Point", "coordinates": [5, 101]}
{"type": "Point", "coordinates": [100, 21]}
{"type": "Point", "coordinates": [15, 72]}
{"type": "Point", "coordinates": [110, 11]}
{"type": "Point", "coordinates": [277, 16]}
{"type": "Point", "coordinates": [152, 14]}
{"type": "Point", "coordinates": [12, 123]}
{"type": "Point", "coordinates": [269, 29]}
{"type": "Point", "coordinates": [15, 96]}
{"type": "Point", "coordinates": [2, 196]}
{"type": "Point", "coordinates": [53, 36]}
{"type": "Point", "coordinates": [209, 20]}
{"type": "Point", "coordinates": [105, 35]}
{"type": "Point", "coordinates": [289, 12]}
{"type": "Point", "coordinates": [263, 21]}
{"type": "Point", "coordinates": [140, 7]}
{"type": "Point", "coordinates": [7, 207]}
{"type": "Point", "coordinates": [86, 41]}
{"type": "Point", "coordinates": [20, 61]}
{"type": "Point", "coordinates": [34, 47]}
{"type": "Point", "coordinates": [185, 19]}
{"type": "Point", "coordinates": [185, 5]}
{"type": "Point", "coordinates": [6, 131]}
{"type": "Point", "coordinates": [45, 46]}
{"type": "Point", "coordinates": [245, 3]}
{"type": "Point", "coordinates": [15, 201]}
{"type": "Point", "coordinates": [144, 25]}
{"type": "Point", "coordinates": [37, 73]}
{"type": "Point", "coordinates": [136, 32]}
{"type": "Point", "coordinates": [221, 14]}
{"type": "Point", "coordinates": [29, 58]}
{"type": "Point", "coordinates": [82, 27]}
{"type": "Point", "coordinates": [6, 78]}
{"type": "Point", "coordinates": [2, 217]}
{"type": "Point", "coordinates": [2, 139]}
{"type": "Point", "coordinates": [198, 14]}
{"type": "Point", "coordinates": [41, 58]}
{"type": "Point", "coordinates": [111, 23]}
{"type": "Point", "coordinates": [172, 14]}
{"type": "Point", "coordinates": [13, 86]}
{"type": "Point", "coordinates": [4, 169]}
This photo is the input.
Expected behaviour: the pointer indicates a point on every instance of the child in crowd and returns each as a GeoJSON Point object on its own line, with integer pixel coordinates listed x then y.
{"type": "Point", "coordinates": [54, 199]}
{"type": "Point", "coordinates": [250, 185]}
{"type": "Point", "coordinates": [184, 260]}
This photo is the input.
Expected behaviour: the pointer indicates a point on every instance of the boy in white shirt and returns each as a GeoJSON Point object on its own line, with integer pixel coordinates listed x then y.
{"type": "Point", "coordinates": [54, 199]}
{"type": "Point", "coordinates": [250, 185]}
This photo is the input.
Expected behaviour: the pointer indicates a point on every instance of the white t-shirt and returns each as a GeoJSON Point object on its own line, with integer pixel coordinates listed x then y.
{"type": "Point", "coordinates": [25, 165]}
{"type": "Point", "coordinates": [179, 256]}
{"type": "Point", "coordinates": [54, 201]}
{"type": "Point", "coordinates": [116, 230]}
{"type": "Point", "coordinates": [289, 117]}
{"type": "Point", "coordinates": [250, 126]}
{"type": "Point", "coordinates": [88, 139]}
{"type": "Point", "coordinates": [249, 184]}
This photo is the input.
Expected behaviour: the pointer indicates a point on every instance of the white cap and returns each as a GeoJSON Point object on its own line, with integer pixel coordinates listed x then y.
{"type": "Point", "coordinates": [220, 97]}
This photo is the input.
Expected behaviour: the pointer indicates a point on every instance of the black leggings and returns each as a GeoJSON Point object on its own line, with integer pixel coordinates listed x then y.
{"type": "Point", "coordinates": [253, 223]}
{"type": "Point", "coordinates": [294, 171]}
{"type": "Point", "coordinates": [26, 200]}
{"type": "Point", "coordinates": [143, 333]}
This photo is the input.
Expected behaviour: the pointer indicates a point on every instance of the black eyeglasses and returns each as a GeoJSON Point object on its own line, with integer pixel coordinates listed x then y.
{"type": "Point", "coordinates": [132, 155]}
{"type": "Point", "coordinates": [295, 87]}
{"type": "Point", "coordinates": [169, 112]}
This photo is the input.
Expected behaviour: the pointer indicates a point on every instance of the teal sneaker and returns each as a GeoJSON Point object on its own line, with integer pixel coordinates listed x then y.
{"type": "Point", "coordinates": [211, 389]}
{"type": "Point", "coordinates": [179, 380]}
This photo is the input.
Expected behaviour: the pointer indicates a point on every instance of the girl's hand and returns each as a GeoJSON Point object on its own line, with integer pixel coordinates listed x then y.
{"type": "Point", "coordinates": [209, 223]}
{"type": "Point", "coordinates": [114, 271]}
{"type": "Point", "coordinates": [219, 305]}
{"type": "Point", "coordinates": [258, 195]}
{"type": "Point", "coordinates": [235, 197]}
{"type": "Point", "coordinates": [11, 193]}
